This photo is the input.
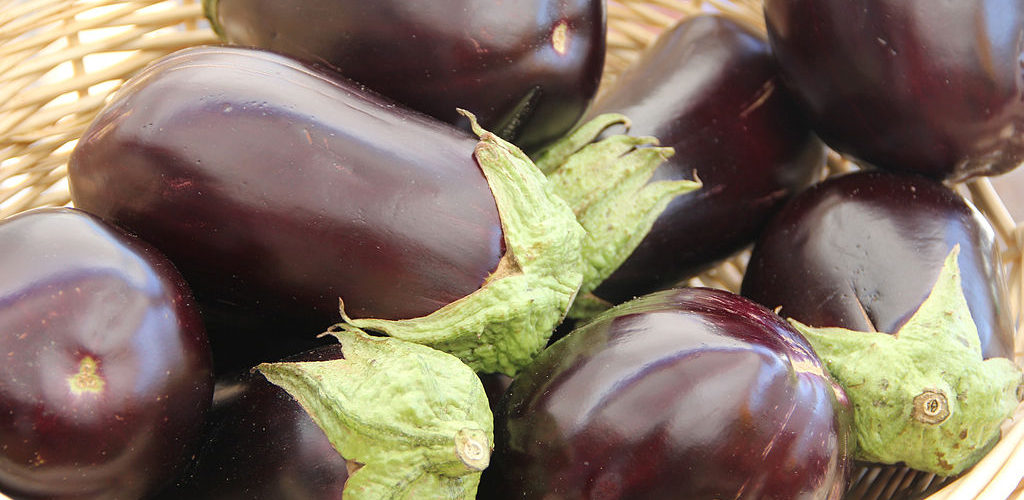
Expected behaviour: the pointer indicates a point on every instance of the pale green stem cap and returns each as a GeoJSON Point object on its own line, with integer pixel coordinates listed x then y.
{"type": "Point", "coordinates": [923, 396]}
{"type": "Point", "coordinates": [415, 421]}
{"type": "Point", "coordinates": [607, 185]}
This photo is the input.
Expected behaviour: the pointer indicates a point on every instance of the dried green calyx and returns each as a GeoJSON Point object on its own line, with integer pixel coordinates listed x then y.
{"type": "Point", "coordinates": [923, 396]}
{"type": "Point", "coordinates": [503, 325]}
{"type": "Point", "coordinates": [607, 184]}
{"type": "Point", "coordinates": [414, 420]}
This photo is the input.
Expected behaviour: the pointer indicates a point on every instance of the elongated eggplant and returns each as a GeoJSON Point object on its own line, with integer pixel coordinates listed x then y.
{"type": "Point", "coordinates": [710, 90]}
{"type": "Point", "coordinates": [685, 393]}
{"type": "Point", "coordinates": [260, 444]}
{"type": "Point", "coordinates": [909, 85]}
{"type": "Point", "coordinates": [862, 251]}
{"type": "Point", "coordinates": [106, 375]}
{"type": "Point", "coordinates": [527, 69]}
{"type": "Point", "coordinates": [240, 163]}
{"type": "Point", "coordinates": [895, 282]}
{"type": "Point", "coordinates": [280, 190]}
{"type": "Point", "coordinates": [276, 190]}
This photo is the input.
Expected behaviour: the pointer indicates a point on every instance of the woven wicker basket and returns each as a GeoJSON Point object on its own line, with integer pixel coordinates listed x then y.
{"type": "Point", "coordinates": [60, 59]}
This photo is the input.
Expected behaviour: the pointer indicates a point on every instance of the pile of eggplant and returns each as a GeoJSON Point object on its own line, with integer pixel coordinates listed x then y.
{"type": "Point", "coordinates": [405, 250]}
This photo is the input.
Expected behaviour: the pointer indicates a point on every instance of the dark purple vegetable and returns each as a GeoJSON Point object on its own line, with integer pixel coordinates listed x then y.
{"type": "Point", "coordinates": [710, 89]}
{"type": "Point", "coordinates": [935, 88]}
{"type": "Point", "coordinates": [260, 444]}
{"type": "Point", "coordinates": [277, 190]}
{"type": "Point", "coordinates": [685, 393]}
{"type": "Point", "coordinates": [863, 250]}
{"type": "Point", "coordinates": [106, 375]}
{"type": "Point", "coordinates": [895, 281]}
{"type": "Point", "coordinates": [527, 69]}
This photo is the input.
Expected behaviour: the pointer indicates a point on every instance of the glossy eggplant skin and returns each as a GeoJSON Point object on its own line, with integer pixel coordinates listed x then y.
{"type": "Point", "coordinates": [260, 444]}
{"type": "Point", "coordinates": [935, 88]}
{"type": "Point", "coordinates": [710, 89]}
{"type": "Point", "coordinates": [277, 189]}
{"type": "Point", "coordinates": [528, 69]}
{"type": "Point", "coordinates": [106, 375]}
{"type": "Point", "coordinates": [862, 251]}
{"type": "Point", "coordinates": [684, 393]}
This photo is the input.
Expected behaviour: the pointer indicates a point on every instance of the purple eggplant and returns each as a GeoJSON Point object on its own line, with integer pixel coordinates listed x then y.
{"type": "Point", "coordinates": [527, 69]}
{"type": "Point", "coordinates": [241, 163]}
{"type": "Point", "coordinates": [684, 393]}
{"type": "Point", "coordinates": [283, 191]}
{"type": "Point", "coordinates": [894, 279]}
{"type": "Point", "coordinates": [260, 444]}
{"type": "Point", "coordinates": [710, 89]}
{"type": "Point", "coordinates": [106, 377]}
{"type": "Point", "coordinates": [862, 251]}
{"type": "Point", "coordinates": [276, 191]}
{"type": "Point", "coordinates": [909, 85]}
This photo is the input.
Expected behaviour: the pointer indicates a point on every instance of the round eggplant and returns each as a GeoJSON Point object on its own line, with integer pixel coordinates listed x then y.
{"type": "Point", "coordinates": [935, 88]}
{"type": "Point", "coordinates": [899, 280]}
{"type": "Point", "coordinates": [527, 69]}
{"type": "Point", "coordinates": [260, 444]}
{"type": "Point", "coordinates": [107, 376]}
{"type": "Point", "coordinates": [684, 393]}
{"type": "Point", "coordinates": [710, 89]}
{"type": "Point", "coordinates": [862, 251]}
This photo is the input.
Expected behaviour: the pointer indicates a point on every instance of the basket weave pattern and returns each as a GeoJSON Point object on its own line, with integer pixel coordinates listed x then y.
{"type": "Point", "coordinates": [60, 60]}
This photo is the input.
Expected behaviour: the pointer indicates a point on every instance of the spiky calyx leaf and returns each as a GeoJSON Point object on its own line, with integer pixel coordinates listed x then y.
{"type": "Point", "coordinates": [923, 396]}
{"type": "Point", "coordinates": [606, 182]}
{"type": "Point", "coordinates": [416, 420]}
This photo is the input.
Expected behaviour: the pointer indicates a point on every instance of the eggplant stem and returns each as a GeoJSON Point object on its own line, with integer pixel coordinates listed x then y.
{"type": "Point", "coordinates": [931, 407]}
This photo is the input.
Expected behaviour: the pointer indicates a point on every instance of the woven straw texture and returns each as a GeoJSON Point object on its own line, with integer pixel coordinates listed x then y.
{"type": "Point", "coordinates": [60, 60]}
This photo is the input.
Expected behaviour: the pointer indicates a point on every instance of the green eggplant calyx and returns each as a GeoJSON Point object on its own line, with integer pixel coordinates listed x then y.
{"type": "Point", "coordinates": [411, 421]}
{"type": "Point", "coordinates": [923, 396]}
{"type": "Point", "coordinates": [555, 155]}
{"type": "Point", "coordinates": [607, 184]}
{"type": "Point", "coordinates": [504, 324]}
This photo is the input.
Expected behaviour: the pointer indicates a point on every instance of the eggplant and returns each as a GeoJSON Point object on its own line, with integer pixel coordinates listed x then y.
{"type": "Point", "coordinates": [861, 251]}
{"type": "Point", "coordinates": [683, 393]}
{"type": "Point", "coordinates": [710, 89]}
{"type": "Point", "coordinates": [894, 280]}
{"type": "Point", "coordinates": [280, 190]}
{"type": "Point", "coordinates": [916, 86]}
{"type": "Point", "coordinates": [260, 444]}
{"type": "Point", "coordinates": [240, 163]}
{"type": "Point", "coordinates": [107, 375]}
{"type": "Point", "coordinates": [527, 69]}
